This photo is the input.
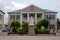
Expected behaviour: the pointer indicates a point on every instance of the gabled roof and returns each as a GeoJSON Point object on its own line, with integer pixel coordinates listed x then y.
{"type": "Point", "coordinates": [33, 8]}
{"type": "Point", "coordinates": [30, 8]}
{"type": "Point", "coordinates": [2, 11]}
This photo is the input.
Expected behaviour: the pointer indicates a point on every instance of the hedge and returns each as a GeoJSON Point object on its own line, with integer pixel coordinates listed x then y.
{"type": "Point", "coordinates": [41, 31]}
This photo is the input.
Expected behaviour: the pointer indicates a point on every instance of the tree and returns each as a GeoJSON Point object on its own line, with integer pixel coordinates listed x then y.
{"type": "Point", "coordinates": [58, 23]}
{"type": "Point", "coordinates": [12, 24]}
{"type": "Point", "coordinates": [15, 24]}
{"type": "Point", "coordinates": [25, 24]}
{"type": "Point", "coordinates": [18, 24]}
{"type": "Point", "coordinates": [43, 22]}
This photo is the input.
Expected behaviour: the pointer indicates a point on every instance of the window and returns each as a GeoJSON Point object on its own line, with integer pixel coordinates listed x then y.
{"type": "Point", "coordinates": [0, 26]}
{"type": "Point", "coordinates": [52, 26]}
{"type": "Point", "coordinates": [17, 16]}
{"type": "Point", "coordinates": [46, 16]}
{"type": "Point", "coordinates": [51, 17]}
{"type": "Point", "coordinates": [12, 17]}
{"type": "Point", "coordinates": [24, 16]}
{"type": "Point", "coordinates": [0, 17]}
{"type": "Point", "coordinates": [39, 15]}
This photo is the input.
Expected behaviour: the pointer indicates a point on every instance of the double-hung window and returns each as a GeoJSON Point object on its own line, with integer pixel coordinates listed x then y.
{"type": "Point", "coordinates": [17, 17]}
{"type": "Point", "coordinates": [52, 26]}
{"type": "Point", "coordinates": [46, 16]}
{"type": "Point", "coordinates": [51, 17]}
{"type": "Point", "coordinates": [12, 17]}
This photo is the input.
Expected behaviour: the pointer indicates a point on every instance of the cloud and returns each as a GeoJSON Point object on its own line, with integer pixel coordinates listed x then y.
{"type": "Point", "coordinates": [8, 8]}
{"type": "Point", "coordinates": [18, 5]}
{"type": "Point", "coordinates": [0, 1]}
{"type": "Point", "coordinates": [13, 6]}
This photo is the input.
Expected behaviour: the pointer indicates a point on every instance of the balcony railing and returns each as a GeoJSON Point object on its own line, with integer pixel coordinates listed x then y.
{"type": "Point", "coordinates": [39, 18]}
{"type": "Point", "coordinates": [24, 19]}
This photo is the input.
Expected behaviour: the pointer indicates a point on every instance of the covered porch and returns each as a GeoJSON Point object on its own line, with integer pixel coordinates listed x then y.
{"type": "Point", "coordinates": [31, 17]}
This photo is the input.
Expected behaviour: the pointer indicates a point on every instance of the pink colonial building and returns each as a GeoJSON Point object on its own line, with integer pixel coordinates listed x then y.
{"type": "Point", "coordinates": [32, 14]}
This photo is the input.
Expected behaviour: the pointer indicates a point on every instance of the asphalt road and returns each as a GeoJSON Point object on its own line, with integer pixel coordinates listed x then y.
{"type": "Point", "coordinates": [29, 37]}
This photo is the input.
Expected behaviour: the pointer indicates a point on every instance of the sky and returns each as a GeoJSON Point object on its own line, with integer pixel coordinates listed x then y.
{"type": "Point", "coordinates": [11, 5]}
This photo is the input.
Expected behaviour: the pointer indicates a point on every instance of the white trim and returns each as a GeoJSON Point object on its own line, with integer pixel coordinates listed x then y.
{"type": "Point", "coordinates": [21, 20]}
{"type": "Point", "coordinates": [35, 17]}
{"type": "Point", "coordinates": [43, 15]}
{"type": "Point", "coordinates": [28, 17]}
{"type": "Point", "coordinates": [56, 21]}
{"type": "Point", "coordinates": [32, 12]}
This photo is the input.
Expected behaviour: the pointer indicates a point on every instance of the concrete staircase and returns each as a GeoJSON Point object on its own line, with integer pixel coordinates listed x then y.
{"type": "Point", "coordinates": [31, 31]}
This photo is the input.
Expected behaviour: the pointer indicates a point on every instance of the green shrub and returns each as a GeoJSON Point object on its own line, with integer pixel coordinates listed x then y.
{"type": "Point", "coordinates": [23, 31]}
{"type": "Point", "coordinates": [15, 24]}
{"type": "Point", "coordinates": [19, 31]}
{"type": "Point", "coordinates": [14, 30]}
{"type": "Point", "coordinates": [18, 24]}
{"type": "Point", "coordinates": [43, 22]}
{"type": "Point", "coordinates": [41, 31]}
{"type": "Point", "coordinates": [25, 24]}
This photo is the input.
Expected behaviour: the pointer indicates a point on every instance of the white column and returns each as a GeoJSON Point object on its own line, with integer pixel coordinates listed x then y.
{"type": "Point", "coordinates": [42, 15]}
{"type": "Point", "coordinates": [28, 17]}
{"type": "Point", "coordinates": [21, 20]}
{"type": "Point", "coordinates": [55, 23]}
{"type": "Point", "coordinates": [35, 17]}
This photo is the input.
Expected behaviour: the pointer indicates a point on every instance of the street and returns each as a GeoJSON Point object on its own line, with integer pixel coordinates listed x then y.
{"type": "Point", "coordinates": [29, 37]}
